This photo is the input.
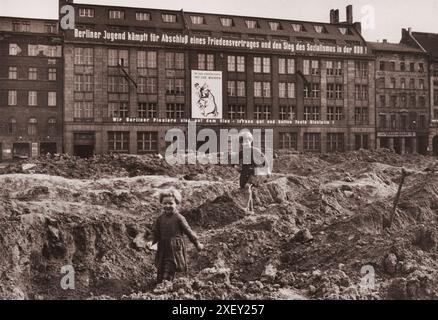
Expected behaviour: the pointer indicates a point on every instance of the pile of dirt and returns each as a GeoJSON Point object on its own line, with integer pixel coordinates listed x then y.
{"type": "Point", "coordinates": [316, 233]}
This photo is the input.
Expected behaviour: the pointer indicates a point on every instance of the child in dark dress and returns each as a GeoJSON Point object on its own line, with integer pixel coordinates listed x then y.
{"type": "Point", "coordinates": [168, 232]}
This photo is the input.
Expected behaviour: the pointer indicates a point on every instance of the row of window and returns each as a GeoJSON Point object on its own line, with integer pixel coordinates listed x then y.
{"type": "Point", "coordinates": [401, 66]}
{"type": "Point", "coordinates": [200, 20]}
{"type": "Point", "coordinates": [32, 98]}
{"type": "Point", "coordinates": [34, 50]}
{"type": "Point", "coordinates": [32, 127]}
{"type": "Point", "coordinates": [175, 60]}
{"type": "Point", "coordinates": [402, 84]}
{"type": "Point", "coordinates": [25, 26]}
{"type": "Point", "coordinates": [402, 101]}
{"type": "Point", "coordinates": [32, 74]}
{"type": "Point", "coordinates": [402, 121]}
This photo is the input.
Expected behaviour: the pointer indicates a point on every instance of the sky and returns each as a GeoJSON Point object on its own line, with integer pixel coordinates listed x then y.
{"type": "Point", "coordinates": [382, 19]}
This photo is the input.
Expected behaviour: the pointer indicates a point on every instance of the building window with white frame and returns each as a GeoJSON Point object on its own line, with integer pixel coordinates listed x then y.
{"type": "Point", "coordinates": [32, 127]}
{"type": "Point", "coordinates": [13, 49]}
{"type": "Point", "coordinates": [226, 22]}
{"type": "Point", "coordinates": [117, 15]}
{"type": "Point", "coordinates": [142, 16]}
{"type": "Point", "coordinates": [168, 18]}
{"type": "Point", "coordinates": [251, 24]}
{"type": "Point", "coordinates": [86, 13]}
{"type": "Point", "coordinates": [147, 142]}
{"type": "Point", "coordinates": [197, 19]}
{"type": "Point", "coordinates": [51, 99]}
{"type": "Point", "coordinates": [13, 73]}
{"type": "Point", "coordinates": [205, 61]}
{"type": "Point", "coordinates": [52, 74]}
{"type": "Point", "coordinates": [32, 98]}
{"type": "Point", "coordinates": [12, 98]}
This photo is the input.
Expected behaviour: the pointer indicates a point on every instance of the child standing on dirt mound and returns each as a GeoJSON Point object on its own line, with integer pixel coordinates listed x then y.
{"type": "Point", "coordinates": [254, 167]}
{"type": "Point", "coordinates": [168, 232]}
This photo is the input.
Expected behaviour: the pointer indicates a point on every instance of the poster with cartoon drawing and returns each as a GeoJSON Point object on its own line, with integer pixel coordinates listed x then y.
{"type": "Point", "coordinates": [207, 94]}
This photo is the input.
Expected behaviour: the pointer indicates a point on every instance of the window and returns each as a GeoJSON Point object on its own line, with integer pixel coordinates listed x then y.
{"type": "Point", "coordinates": [422, 120]}
{"type": "Point", "coordinates": [288, 113]}
{"type": "Point", "coordinates": [118, 141]}
{"type": "Point", "coordinates": [412, 67]}
{"type": "Point", "coordinates": [315, 67]}
{"type": "Point", "coordinates": [421, 67]}
{"type": "Point", "coordinates": [13, 73]}
{"type": "Point", "coordinates": [236, 112]}
{"type": "Point", "coordinates": [19, 26]}
{"type": "Point", "coordinates": [335, 142]}
{"type": "Point", "coordinates": [335, 113]}
{"type": "Point", "coordinates": [312, 91]}
{"type": "Point", "coordinates": [83, 110]}
{"type": "Point", "coordinates": [286, 90]}
{"type": "Point", "coordinates": [147, 110]}
{"type": "Point", "coordinates": [266, 89]}
{"type": "Point", "coordinates": [361, 141]}
{"type": "Point", "coordinates": [86, 13]}
{"type": "Point", "coordinates": [231, 88]}
{"type": "Point", "coordinates": [142, 16]}
{"type": "Point", "coordinates": [174, 60]}
{"type": "Point", "coordinates": [236, 63]}
{"type": "Point", "coordinates": [52, 74]}
{"type": "Point", "coordinates": [330, 91]}
{"type": "Point", "coordinates": [241, 89]}
{"type": "Point", "coordinates": [262, 112]}
{"type": "Point", "coordinates": [403, 121]}
{"type": "Point", "coordinates": [421, 102]}
{"type": "Point", "coordinates": [147, 85]}
{"type": "Point", "coordinates": [147, 142]}
{"type": "Point", "coordinates": [275, 26]}
{"type": "Point", "coordinates": [412, 84]}
{"type": "Point", "coordinates": [312, 142]}
{"type": "Point", "coordinates": [12, 98]}
{"type": "Point", "coordinates": [298, 27]}
{"type": "Point", "coordinates": [118, 110]}
{"type": "Point", "coordinates": [33, 50]}
{"type": "Point", "coordinates": [392, 66]}
{"type": "Point", "coordinates": [403, 83]}
{"type": "Point", "coordinates": [312, 113]}
{"type": "Point", "coordinates": [393, 83]}
{"type": "Point", "coordinates": [51, 127]}
{"type": "Point", "coordinates": [382, 121]}
{"type": "Point", "coordinates": [402, 66]}
{"type": "Point", "coordinates": [12, 126]}
{"type": "Point", "coordinates": [118, 57]}
{"type": "Point", "coordinates": [175, 111]}
{"type": "Point", "coordinates": [83, 56]}
{"type": "Point", "coordinates": [257, 64]}
{"type": "Point", "coordinates": [32, 127]}
{"type": "Point", "coordinates": [257, 89]}
{"type": "Point", "coordinates": [339, 91]}
{"type": "Point", "coordinates": [83, 83]}
{"type": "Point", "coordinates": [118, 84]}
{"type": "Point", "coordinates": [227, 22]}
{"type": "Point", "coordinates": [33, 74]}
{"type": "Point", "coordinates": [382, 101]}
{"type": "Point", "coordinates": [421, 81]}
{"type": "Point", "coordinates": [413, 101]}
{"type": "Point", "coordinates": [334, 68]}
{"type": "Point", "coordinates": [197, 19]}
{"type": "Point", "coordinates": [251, 24]}
{"type": "Point", "coordinates": [361, 116]}
{"type": "Point", "coordinates": [168, 18]}
{"type": "Point", "coordinates": [435, 98]}
{"type": "Point", "coordinates": [51, 98]}
{"type": "Point", "coordinates": [306, 67]}
{"type": "Point", "coordinates": [288, 140]}
{"type": "Point", "coordinates": [361, 92]}
{"type": "Point", "coordinates": [403, 101]}
{"type": "Point", "coordinates": [361, 69]}
{"type": "Point", "coordinates": [286, 66]}
{"type": "Point", "coordinates": [382, 66]}
{"type": "Point", "coordinates": [117, 14]}
{"type": "Point", "coordinates": [175, 86]}
{"type": "Point", "coordinates": [13, 49]}
{"type": "Point", "coordinates": [147, 59]}
{"type": "Point", "coordinates": [320, 29]}
{"type": "Point", "coordinates": [266, 65]}
{"type": "Point", "coordinates": [32, 98]}
{"type": "Point", "coordinates": [393, 101]}
{"type": "Point", "coordinates": [393, 121]}
{"type": "Point", "coordinates": [205, 62]}
{"type": "Point", "coordinates": [344, 31]}
{"type": "Point", "coordinates": [262, 65]}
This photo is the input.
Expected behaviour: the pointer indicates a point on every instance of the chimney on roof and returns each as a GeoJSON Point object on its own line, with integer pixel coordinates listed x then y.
{"type": "Point", "coordinates": [350, 14]}
{"type": "Point", "coordinates": [385, 41]}
{"type": "Point", "coordinates": [337, 16]}
{"type": "Point", "coordinates": [332, 16]}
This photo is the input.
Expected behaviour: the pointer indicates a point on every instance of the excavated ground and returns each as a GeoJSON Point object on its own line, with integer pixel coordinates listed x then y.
{"type": "Point", "coordinates": [316, 232]}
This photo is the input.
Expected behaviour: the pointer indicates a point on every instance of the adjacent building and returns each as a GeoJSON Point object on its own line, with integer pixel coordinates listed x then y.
{"type": "Point", "coordinates": [428, 42]}
{"type": "Point", "coordinates": [31, 101]}
{"type": "Point", "coordinates": [402, 99]}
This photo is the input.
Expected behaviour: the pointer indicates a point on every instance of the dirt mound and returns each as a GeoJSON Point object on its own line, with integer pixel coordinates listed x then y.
{"type": "Point", "coordinates": [316, 232]}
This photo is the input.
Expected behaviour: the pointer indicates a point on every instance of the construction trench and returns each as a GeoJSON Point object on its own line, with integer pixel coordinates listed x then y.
{"type": "Point", "coordinates": [317, 231]}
